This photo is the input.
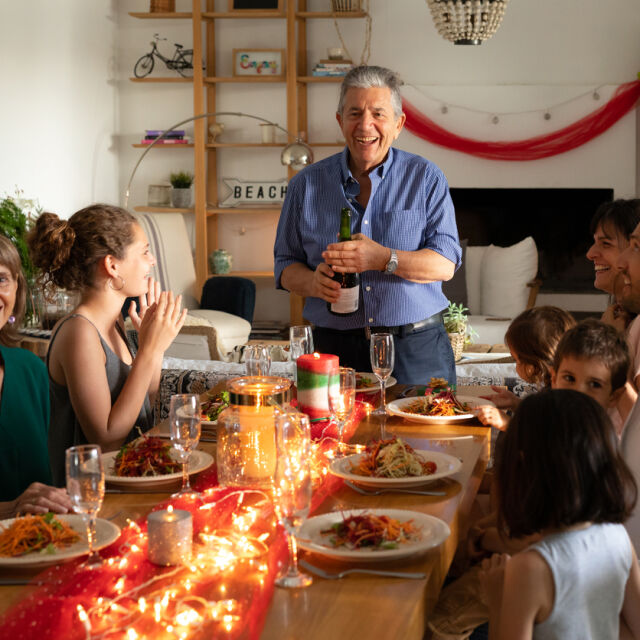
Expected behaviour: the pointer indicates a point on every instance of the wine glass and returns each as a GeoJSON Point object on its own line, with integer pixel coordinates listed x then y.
{"type": "Point", "coordinates": [382, 361]}
{"type": "Point", "coordinates": [300, 342]}
{"type": "Point", "coordinates": [292, 487]}
{"type": "Point", "coordinates": [257, 360]}
{"type": "Point", "coordinates": [342, 398]}
{"type": "Point", "coordinates": [184, 425]}
{"type": "Point", "coordinates": [85, 486]}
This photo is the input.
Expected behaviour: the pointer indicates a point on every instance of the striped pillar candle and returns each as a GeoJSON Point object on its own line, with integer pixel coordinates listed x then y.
{"type": "Point", "coordinates": [316, 371]}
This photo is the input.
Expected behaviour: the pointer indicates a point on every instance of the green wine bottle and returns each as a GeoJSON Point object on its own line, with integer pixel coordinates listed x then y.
{"type": "Point", "coordinates": [349, 299]}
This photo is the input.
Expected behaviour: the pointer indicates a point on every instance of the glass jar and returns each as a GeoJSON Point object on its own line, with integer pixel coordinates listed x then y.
{"type": "Point", "coordinates": [246, 450]}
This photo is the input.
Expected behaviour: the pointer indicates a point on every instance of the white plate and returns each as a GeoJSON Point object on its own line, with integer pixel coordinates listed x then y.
{"type": "Point", "coordinates": [446, 466]}
{"type": "Point", "coordinates": [433, 532]}
{"type": "Point", "coordinates": [397, 408]}
{"type": "Point", "coordinates": [106, 533]}
{"type": "Point", "coordinates": [199, 461]}
{"type": "Point", "coordinates": [391, 381]}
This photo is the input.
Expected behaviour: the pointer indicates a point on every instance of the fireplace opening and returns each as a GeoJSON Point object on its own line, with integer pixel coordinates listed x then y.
{"type": "Point", "coordinates": [557, 219]}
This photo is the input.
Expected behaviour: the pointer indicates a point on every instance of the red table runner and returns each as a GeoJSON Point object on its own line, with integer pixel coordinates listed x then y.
{"type": "Point", "coordinates": [223, 593]}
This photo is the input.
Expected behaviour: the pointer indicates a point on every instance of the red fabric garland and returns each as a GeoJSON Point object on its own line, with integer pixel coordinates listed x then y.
{"type": "Point", "coordinates": [623, 100]}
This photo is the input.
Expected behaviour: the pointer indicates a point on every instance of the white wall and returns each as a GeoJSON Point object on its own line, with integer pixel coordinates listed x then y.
{"type": "Point", "coordinates": [59, 102]}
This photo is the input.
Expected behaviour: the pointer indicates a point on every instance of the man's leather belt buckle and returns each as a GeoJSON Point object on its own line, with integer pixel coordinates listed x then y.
{"type": "Point", "coordinates": [404, 329]}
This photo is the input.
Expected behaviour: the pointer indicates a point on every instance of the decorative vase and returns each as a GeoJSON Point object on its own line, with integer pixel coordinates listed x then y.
{"type": "Point", "coordinates": [220, 261]}
{"type": "Point", "coordinates": [181, 198]}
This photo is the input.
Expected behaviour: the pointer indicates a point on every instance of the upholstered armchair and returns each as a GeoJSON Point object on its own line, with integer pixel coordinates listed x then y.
{"type": "Point", "coordinates": [223, 305]}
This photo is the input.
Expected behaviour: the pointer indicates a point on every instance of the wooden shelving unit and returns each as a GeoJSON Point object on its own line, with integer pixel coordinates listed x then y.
{"type": "Point", "coordinates": [205, 87]}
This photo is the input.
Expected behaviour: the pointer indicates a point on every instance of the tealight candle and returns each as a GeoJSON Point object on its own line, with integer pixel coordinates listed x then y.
{"type": "Point", "coordinates": [170, 535]}
{"type": "Point", "coordinates": [316, 371]}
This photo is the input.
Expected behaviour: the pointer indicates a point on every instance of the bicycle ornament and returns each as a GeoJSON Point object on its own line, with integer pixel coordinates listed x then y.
{"type": "Point", "coordinates": [182, 60]}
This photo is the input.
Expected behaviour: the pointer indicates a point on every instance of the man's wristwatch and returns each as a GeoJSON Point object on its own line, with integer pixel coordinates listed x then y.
{"type": "Point", "coordinates": [392, 265]}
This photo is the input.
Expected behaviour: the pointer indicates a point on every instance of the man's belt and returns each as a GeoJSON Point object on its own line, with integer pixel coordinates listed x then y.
{"type": "Point", "coordinates": [400, 330]}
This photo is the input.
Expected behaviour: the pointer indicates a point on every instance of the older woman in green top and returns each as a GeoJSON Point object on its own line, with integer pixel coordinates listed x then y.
{"type": "Point", "coordinates": [24, 406]}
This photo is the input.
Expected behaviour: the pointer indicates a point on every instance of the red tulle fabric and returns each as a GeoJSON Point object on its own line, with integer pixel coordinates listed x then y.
{"type": "Point", "coordinates": [623, 100]}
{"type": "Point", "coordinates": [51, 611]}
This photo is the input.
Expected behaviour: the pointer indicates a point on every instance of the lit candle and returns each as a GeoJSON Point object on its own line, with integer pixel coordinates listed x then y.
{"type": "Point", "coordinates": [316, 371]}
{"type": "Point", "coordinates": [170, 535]}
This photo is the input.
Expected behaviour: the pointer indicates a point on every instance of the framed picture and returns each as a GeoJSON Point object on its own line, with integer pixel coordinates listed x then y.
{"type": "Point", "coordinates": [255, 5]}
{"type": "Point", "coordinates": [258, 62]}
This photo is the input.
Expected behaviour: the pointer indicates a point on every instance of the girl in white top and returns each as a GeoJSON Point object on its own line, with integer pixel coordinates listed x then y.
{"type": "Point", "coordinates": [561, 475]}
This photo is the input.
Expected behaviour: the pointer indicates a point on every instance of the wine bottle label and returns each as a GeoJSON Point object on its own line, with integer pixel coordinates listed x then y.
{"type": "Point", "coordinates": [348, 300]}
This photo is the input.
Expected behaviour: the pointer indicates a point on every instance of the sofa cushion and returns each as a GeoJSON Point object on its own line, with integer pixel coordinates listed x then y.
{"type": "Point", "coordinates": [232, 330]}
{"type": "Point", "coordinates": [505, 274]}
{"type": "Point", "coordinates": [473, 274]}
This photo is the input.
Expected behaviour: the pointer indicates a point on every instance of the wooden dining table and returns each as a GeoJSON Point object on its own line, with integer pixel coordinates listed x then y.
{"type": "Point", "coordinates": [357, 606]}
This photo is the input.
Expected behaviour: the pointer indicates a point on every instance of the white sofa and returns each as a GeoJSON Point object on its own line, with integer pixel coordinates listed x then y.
{"type": "Point", "coordinates": [500, 284]}
{"type": "Point", "coordinates": [169, 242]}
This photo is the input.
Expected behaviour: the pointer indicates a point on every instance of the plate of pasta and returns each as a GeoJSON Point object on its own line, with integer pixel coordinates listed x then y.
{"type": "Point", "coordinates": [39, 541]}
{"type": "Point", "coordinates": [368, 383]}
{"type": "Point", "coordinates": [137, 472]}
{"type": "Point", "coordinates": [394, 464]}
{"type": "Point", "coordinates": [371, 534]}
{"type": "Point", "coordinates": [437, 408]}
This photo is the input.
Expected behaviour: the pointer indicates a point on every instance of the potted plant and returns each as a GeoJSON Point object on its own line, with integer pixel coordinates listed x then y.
{"type": "Point", "coordinates": [457, 326]}
{"type": "Point", "coordinates": [181, 182]}
{"type": "Point", "coordinates": [17, 217]}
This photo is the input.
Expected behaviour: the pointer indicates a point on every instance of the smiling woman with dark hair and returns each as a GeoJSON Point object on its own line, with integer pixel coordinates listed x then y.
{"type": "Point", "coordinates": [24, 405]}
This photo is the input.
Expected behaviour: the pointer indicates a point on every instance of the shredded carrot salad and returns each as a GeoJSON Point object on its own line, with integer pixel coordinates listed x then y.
{"type": "Point", "coordinates": [371, 531]}
{"type": "Point", "coordinates": [438, 404]}
{"type": "Point", "coordinates": [44, 533]}
{"type": "Point", "coordinates": [392, 458]}
{"type": "Point", "coordinates": [145, 457]}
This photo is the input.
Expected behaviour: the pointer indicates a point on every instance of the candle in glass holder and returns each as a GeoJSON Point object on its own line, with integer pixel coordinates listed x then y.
{"type": "Point", "coordinates": [170, 534]}
{"type": "Point", "coordinates": [246, 453]}
{"type": "Point", "coordinates": [316, 371]}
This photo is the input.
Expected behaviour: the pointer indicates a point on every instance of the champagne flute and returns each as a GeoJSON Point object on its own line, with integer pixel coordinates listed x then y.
{"type": "Point", "coordinates": [300, 342]}
{"type": "Point", "coordinates": [184, 425]}
{"type": "Point", "coordinates": [382, 361]}
{"type": "Point", "coordinates": [257, 360]}
{"type": "Point", "coordinates": [342, 398]}
{"type": "Point", "coordinates": [85, 486]}
{"type": "Point", "coordinates": [292, 487]}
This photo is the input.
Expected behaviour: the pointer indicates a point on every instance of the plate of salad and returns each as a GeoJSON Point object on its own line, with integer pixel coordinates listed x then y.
{"type": "Point", "coordinates": [439, 407]}
{"type": "Point", "coordinates": [368, 383]}
{"type": "Point", "coordinates": [371, 534]}
{"type": "Point", "coordinates": [39, 541]}
{"type": "Point", "coordinates": [148, 463]}
{"type": "Point", "coordinates": [211, 408]}
{"type": "Point", "coordinates": [392, 463]}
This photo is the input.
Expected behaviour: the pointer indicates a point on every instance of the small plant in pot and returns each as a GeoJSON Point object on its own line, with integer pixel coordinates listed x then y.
{"type": "Point", "coordinates": [181, 182]}
{"type": "Point", "coordinates": [457, 326]}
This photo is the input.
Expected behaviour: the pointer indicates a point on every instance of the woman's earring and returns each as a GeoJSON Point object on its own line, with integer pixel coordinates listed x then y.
{"type": "Point", "coordinates": [116, 288]}
{"type": "Point", "coordinates": [11, 319]}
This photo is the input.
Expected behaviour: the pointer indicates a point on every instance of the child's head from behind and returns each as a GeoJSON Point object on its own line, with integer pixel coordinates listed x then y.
{"type": "Point", "coordinates": [593, 358]}
{"type": "Point", "coordinates": [560, 466]}
{"type": "Point", "coordinates": [532, 338]}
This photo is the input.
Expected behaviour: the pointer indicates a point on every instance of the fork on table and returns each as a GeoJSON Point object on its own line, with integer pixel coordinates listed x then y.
{"type": "Point", "coordinates": [377, 492]}
{"type": "Point", "coordinates": [413, 575]}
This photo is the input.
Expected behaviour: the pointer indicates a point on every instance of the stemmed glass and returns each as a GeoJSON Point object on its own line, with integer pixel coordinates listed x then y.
{"type": "Point", "coordinates": [300, 342]}
{"type": "Point", "coordinates": [257, 360]}
{"type": "Point", "coordinates": [382, 361]}
{"type": "Point", "coordinates": [85, 486]}
{"type": "Point", "coordinates": [292, 487]}
{"type": "Point", "coordinates": [184, 425]}
{"type": "Point", "coordinates": [342, 398]}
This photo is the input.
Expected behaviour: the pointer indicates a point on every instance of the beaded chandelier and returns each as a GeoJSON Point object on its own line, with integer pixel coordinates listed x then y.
{"type": "Point", "coordinates": [467, 21]}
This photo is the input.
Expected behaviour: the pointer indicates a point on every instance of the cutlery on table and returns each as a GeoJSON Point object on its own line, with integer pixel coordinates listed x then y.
{"type": "Point", "coordinates": [377, 492]}
{"type": "Point", "coordinates": [413, 575]}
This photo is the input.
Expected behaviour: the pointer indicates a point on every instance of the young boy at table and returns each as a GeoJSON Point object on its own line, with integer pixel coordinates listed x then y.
{"type": "Point", "coordinates": [591, 357]}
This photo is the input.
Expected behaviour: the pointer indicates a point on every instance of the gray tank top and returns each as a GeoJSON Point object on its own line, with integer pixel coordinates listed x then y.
{"type": "Point", "coordinates": [64, 429]}
{"type": "Point", "coordinates": [590, 569]}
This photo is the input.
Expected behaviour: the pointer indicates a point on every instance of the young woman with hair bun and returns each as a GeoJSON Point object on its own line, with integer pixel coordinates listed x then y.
{"type": "Point", "coordinates": [100, 392]}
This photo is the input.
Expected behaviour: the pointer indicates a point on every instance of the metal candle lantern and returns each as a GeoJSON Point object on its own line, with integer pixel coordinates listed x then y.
{"type": "Point", "coordinates": [246, 435]}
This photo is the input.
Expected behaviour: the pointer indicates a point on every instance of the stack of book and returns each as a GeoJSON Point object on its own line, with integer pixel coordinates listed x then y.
{"type": "Point", "coordinates": [332, 68]}
{"type": "Point", "coordinates": [175, 136]}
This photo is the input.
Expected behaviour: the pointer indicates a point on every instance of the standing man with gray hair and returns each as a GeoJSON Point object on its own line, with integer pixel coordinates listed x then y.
{"type": "Point", "coordinates": [404, 237]}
